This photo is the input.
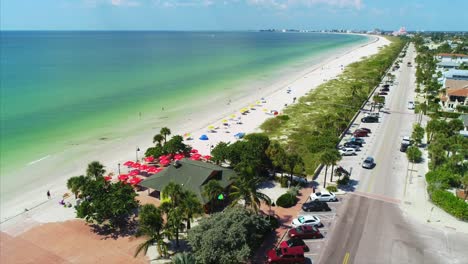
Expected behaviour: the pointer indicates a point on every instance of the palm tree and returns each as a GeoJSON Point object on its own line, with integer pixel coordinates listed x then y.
{"type": "Point", "coordinates": [183, 258]}
{"type": "Point", "coordinates": [76, 184]}
{"type": "Point", "coordinates": [175, 219]}
{"type": "Point", "coordinates": [211, 190]}
{"type": "Point", "coordinates": [151, 225]}
{"type": "Point", "coordinates": [173, 191]}
{"type": "Point", "coordinates": [95, 169]}
{"type": "Point", "coordinates": [158, 139]}
{"type": "Point", "coordinates": [327, 158]}
{"type": "Point", "coordinates": [336, 157]}
{"type": "Point", "coordinates": [165, 132]}
{"type": "Point", "coordinates": [277, 155]}
{"type": "Point", "coordinates": [245, 188]}
{"type": "Point", "coordinates": [191, 206]}
{"type": "Point", "coordinates": [292, 162]}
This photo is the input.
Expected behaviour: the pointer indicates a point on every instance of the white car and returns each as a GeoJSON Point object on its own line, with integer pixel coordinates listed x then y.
{"type": "Point", "coordinates": [406, 141]}
{"type": "Point", "coordinates": [347, 151]}
{"type": "Point", "coordinates": [306, 220]}
{"type": "Point", "coordinates": [372, 114]}
{"type": "Point", "coordinates": [323, 196]}
{"type": "Point", "coordinates": [411, 105]}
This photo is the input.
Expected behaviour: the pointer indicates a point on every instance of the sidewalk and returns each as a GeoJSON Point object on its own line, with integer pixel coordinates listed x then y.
{"type": "Point", "coordinates": [416, 202]}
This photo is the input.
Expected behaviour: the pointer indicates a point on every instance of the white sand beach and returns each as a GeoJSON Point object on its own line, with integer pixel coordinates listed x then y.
{"type": "Point", "coordinates": [41, 210]}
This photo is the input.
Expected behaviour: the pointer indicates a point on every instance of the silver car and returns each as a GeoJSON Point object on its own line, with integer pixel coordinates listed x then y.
{"type": "Point", "coordinates": [368, 163]}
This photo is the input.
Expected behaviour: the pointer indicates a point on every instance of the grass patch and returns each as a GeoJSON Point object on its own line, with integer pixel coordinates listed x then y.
{"type": "Point", "coordinates": [318, 119]}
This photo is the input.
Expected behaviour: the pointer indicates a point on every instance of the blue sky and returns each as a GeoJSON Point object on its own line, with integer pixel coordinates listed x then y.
{"type": "Point", "coordinates": [232, 14]}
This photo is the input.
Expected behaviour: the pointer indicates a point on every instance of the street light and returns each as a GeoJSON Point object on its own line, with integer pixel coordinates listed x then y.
{"type": "Point", "coordinates": [119, 168]}
{"type": "Point", "coordinates": [136, 152]}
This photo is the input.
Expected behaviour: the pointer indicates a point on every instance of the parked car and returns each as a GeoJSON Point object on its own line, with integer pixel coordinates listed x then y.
{"type": "Point", "coordinates": [305, 232]}
{"type": "Point", "coordinates": [403, 147]}
{"type": "Point", "coordinates": [315, 206]}
{"type": "Point", "coordinates": [386, 86]}
{"type": "Point", "coordinates": [306, 220]}
{"type": "Point", "coordinates": [286, 255]}
{"type": "Point", "coordinates": [370, 119]}
{"type": "Point", "coordinates": [360, 133]}
{"type": "Point", "coordinates": [411, 105]}
{"type": "Point", "coordinates": [358, 140]}
{"type": "Point", "coordinates": [351, 145]}
{"type": "Point", "coordinates": [364, 129]}
{"type": "Point", "coordinates": [357, 143]}
{"type": "Point", "coordinates": [347, 151]}
{"type": "Point", "coordinates": [324, 196]}
{"type": "Point", "coordinates": [406, 140]}
{"type": "Point", "coordinates": [294, 242]}
{"type": "Point", "coordinates": [372, 114]}
{"type": "Point", "coordinates": [368, 163]}
{"type": "Point", "coordinates": [383, 93]}
{"type": "Point", "coordinates": [385, 89]}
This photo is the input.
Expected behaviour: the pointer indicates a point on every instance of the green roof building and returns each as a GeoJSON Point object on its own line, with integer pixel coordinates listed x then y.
{"type": "Point", "coordinates": [192, 175]}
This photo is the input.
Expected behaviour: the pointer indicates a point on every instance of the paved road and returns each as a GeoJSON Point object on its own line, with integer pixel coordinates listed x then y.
{"type": "Point", "coordinates": [371, 227]}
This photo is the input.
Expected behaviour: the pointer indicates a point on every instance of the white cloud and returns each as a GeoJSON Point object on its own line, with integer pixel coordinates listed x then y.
{"type": "Point", "coordinates": [183, 3]}
{"type": "Point", "coordinates": [116, 3]}
{"type": "Point", "coordinates": [284, 4]}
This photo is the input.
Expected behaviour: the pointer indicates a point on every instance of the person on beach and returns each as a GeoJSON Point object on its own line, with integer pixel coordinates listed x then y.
{"type": "Point", "coordinates": [48, 194]}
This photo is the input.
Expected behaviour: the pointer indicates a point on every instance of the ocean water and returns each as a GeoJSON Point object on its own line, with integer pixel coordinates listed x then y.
{"type": "Point", "coordinates": [60, 88]}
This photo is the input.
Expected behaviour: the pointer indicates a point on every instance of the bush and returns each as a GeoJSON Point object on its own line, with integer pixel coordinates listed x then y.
{"type": "Point", "coordinates": [286, 200]}
{"type": "Point", "coordinates": [343, 181]}
{"type": "Point", "coordinates": [332, 188]}
{"type": "Point", "coordinates": [273, 222]}
{"type": "Point", "coordinates": [414, 154]}
{"type": "Point", "coordinates": [294, 190]}
{"type": "Point", "coordinates": [450, 203]}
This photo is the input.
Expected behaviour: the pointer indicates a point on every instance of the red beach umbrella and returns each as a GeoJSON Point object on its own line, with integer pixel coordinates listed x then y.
{"type": "Point", "coordinates": [128, 163]}
{"type": "Point", "coordinates": [144, 167]}
{"type": "Point", "coordinates": [134, 181]}
{"type": "Point", "coordinates": [193, 151]}
{"type": "Point", "coordinates": [149, 159]}
{"type": "Point", "coordinates": [207, 157]}
{"type": "Point", "coordinates": [164, 162]}
{"type": "Point", "coordinates": [134, 172]}
{"type": "Point", "coordinates": [136, 165]}
{"type": "Point", "coordinates": [179, 156]}
{"type": "Point", "coordinates": [123, 177]}
{"type": "Point", "coordinates": [151, 169]}
{"type": "Point", "coordinates": [108, 178]}
{"type": "Point", "coordinates": [195, 157]}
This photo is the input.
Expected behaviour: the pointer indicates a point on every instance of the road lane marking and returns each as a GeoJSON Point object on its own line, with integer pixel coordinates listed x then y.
{"type": "Point", "coordinates": [346, 258]}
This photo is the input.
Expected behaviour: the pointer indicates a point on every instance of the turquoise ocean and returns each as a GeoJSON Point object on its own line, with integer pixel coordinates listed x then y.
{"type": "Point", "coordinates": [58, 87]}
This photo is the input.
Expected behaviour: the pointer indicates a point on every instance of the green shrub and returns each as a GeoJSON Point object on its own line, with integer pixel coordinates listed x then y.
{"type": "Point", "coordinates": [343, 181]}
{"type": "Point", "coordinates": [332, 188]}
{"type": "Point", "coordinates": [284, 182]}
{"type": "Point", "coordinates": [450, 203]}
{"type": "Point", "coordinates": [294, 190]}
{"type": "Point", "coordinates": [414, 154]}
{"type": "Point", "coordinates": [273, 222]}
{"type": "Point", "coordinates": [286, 200]}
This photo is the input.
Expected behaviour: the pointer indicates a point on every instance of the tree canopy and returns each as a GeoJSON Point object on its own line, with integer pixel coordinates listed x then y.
{"type": "Point", "coordinates": [228, 237]}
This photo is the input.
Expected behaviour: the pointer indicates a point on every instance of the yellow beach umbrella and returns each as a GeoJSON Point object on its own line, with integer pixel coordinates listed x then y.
{"type": "Point", "coordinates": [211, 127]}
{"type": "Point", "coordinates": [265, 110]}
{"type": "Point", "coordinates": [252, 106]}
{"type": "Point", "coordinates": [233, 116]}
{"type": "Point", "coordinates": [258, 102]}
{"type": "Point", "coordinates": [224, 121]}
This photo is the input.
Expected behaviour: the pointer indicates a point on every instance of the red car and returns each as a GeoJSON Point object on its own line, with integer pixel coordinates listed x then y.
{"type": "Point", "coordinates": [360, 133]}
{"type": "Point", "coordinates": [364, 129]}
{"type": "Point", "coordinates": [305, 232]}
{"type": "Point", "coordinates": [286, 255]}
{"type": "Point", "coordinates": [294, 242]}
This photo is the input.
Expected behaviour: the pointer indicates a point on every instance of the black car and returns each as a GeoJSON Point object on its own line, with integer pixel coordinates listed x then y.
{"type": "Point", "coordinates": [315, 206]}
{"type": "Point", "coordinates": [386, 89]}
{"type": "Point", "coordinates": [354, 145]}
{"type": "Point", "coordinates": [370, 119]}
{"type": "Point", "coordinates": [404, 147]}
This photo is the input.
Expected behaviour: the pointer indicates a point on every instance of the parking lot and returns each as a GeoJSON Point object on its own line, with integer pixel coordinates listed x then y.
{"type": "Point", "coordinates": [328, 220]}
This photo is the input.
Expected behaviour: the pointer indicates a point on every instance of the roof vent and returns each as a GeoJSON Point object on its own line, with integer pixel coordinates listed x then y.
{"type": "Point", "coordinates": [177, 164]}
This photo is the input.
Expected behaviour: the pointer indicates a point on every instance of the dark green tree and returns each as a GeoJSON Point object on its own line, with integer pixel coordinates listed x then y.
{"type": "Point", "coordinates": [414, 154]}
{"type": "Point", "coordinates": [244, 189]}
{"type": "Point", "coordinates": [151, 226]}
{"type": "Point", "coordinates": [220, 153]}
{"type": "Point", "coordinates": [95, 169]}
{"type": "Point", "coordinates": [158, 139]}
{"type": "Point", "coordinates": [418, 133]}
{"type": "Point", "coordinates": [107, 204]}
{"type": "Point", "coordinates": [229, 237]}
{"type": "Point", "coordinates": [165, 131]}
{"type": "Point", "coordinates": [176, 145]}
{"type": "Point", "coordinates": [212, 189]}
{"type": "Point", "coordinates": [77, 184]}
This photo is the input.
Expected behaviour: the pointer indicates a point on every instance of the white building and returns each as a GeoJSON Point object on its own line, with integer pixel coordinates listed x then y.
{"type": "Point", "coordinates": [445, 57]}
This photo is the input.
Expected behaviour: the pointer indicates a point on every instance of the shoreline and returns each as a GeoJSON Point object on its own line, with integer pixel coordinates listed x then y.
{"type": "Point", "coordinates": [116, 149]}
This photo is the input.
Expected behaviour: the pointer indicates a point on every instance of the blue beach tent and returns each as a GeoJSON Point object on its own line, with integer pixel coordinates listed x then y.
{"type": "Point", "coordinates": [203, 137]}
{"type": "Point", "coordinates": [239, 135]}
